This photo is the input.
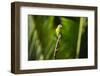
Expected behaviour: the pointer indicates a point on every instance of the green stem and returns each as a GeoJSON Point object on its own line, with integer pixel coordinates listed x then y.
{"type": "Point", "coordinates": [79, 36]}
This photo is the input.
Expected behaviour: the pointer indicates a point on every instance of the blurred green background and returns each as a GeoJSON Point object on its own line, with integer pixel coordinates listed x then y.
{"type": "Point", "coordinates": [42, 37]}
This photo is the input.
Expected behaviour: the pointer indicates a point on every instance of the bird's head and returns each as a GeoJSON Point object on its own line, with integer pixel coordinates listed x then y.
{"type": "Point", "coordinates": [60, 26]}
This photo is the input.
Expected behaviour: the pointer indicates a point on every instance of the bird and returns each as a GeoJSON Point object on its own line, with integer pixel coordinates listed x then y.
{"type": "Point", "coordinates": [58, 30]}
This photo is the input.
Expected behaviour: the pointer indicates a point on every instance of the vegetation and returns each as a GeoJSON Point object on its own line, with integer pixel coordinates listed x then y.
{"type": "Point", "coordinates": [42, 37]}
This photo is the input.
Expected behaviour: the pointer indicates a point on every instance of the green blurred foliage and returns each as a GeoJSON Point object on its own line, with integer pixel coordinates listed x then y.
{"type": "Point", "coordinates": [69, 38]}
{"type": "Point", "coordinates": [42, 36]}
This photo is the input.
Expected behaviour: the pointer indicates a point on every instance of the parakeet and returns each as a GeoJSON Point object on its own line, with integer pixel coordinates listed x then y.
{"type": "Point", "coordinates": [58, 30]}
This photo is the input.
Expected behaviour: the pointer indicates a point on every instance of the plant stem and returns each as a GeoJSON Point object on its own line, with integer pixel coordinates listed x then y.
{"type": "Point", "coordinates": [57, 46]}
{"type": "Point", "coordinates": [79, 36]}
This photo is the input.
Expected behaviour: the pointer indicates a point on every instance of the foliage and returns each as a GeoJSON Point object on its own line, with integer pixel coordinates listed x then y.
{"type": "Point", "coordinates": [42, 36]}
